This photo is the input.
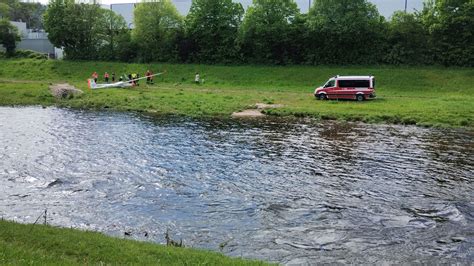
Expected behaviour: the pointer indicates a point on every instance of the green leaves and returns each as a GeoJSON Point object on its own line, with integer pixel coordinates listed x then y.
{"type": "Point", "coordinates": [451, 28]}
{"type": "Point", "coordinates": [408, 39]}
{"type": "Point", "coordinates": [157, 25]}
{"type": "Point", "coordinates": [4, 11]}
{"type": "Point", "coordinates": [345, 32]}
{"type": "Point", "coordinates": [271, 32]}
{"type": "Point", "coordinates": [8, 36]}
{"type": "Point", "coordinates": [212, 27]}
{"type": "Point", "coordinates": [266, 30]}
{"type": "Point", "coordinates": [86, 31]}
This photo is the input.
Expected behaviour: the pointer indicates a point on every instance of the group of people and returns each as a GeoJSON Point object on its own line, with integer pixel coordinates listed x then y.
{"type": "Point", "coordinates": [132, 78]}
{"type": "Point", "coordinates": [95, 76]}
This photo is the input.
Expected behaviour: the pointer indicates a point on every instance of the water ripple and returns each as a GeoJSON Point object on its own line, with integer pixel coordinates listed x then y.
{"type": "Point", "coordinates": [294, 191]}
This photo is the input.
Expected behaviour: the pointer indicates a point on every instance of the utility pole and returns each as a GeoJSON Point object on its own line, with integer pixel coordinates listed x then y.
{"type": "Point", "coordinates": [406, 2]}
{"type": "Point", "coordinates": [309, 5]}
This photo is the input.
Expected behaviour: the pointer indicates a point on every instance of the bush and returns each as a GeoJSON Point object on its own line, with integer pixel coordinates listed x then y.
{"type": "Point", "coordinates": [29, 54]}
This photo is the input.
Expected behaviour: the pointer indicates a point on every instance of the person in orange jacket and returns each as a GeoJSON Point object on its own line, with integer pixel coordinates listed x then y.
{"type": "Point", "coordinates": [149, 77]}
{"type": "Point", "coordinates": [95, 76]}
{"type": "Point", "coordinates": [106, 77]}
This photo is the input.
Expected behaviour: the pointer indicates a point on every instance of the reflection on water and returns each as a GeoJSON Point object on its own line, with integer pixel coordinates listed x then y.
{"type": "Point", "coordinates": [295, 192]}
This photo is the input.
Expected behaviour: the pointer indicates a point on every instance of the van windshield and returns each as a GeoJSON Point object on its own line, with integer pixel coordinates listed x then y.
{"type": "Point", "coordinates": [330, 83]}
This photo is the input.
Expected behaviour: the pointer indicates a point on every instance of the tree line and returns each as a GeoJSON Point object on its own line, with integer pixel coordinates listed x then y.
{"type": "Point", "coordinates": [269, 32]}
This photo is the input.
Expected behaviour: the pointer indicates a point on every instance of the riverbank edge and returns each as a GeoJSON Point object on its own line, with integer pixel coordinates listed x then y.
{"type": "Point", "coordinates": [428, 102]}
{"type": "Point", "coordinates": [268, 114]}
{"type": "Point", "coordinates": [46, 244]}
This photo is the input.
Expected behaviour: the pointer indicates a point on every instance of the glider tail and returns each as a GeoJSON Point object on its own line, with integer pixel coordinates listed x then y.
{"type": "Point", "coordinates": [91, 84]}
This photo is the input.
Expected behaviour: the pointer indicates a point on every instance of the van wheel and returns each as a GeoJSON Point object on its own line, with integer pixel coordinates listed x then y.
{"type": "Point", "coordinates": [360, 97]}
{"type": "Point", "coordinates": [322, 97]}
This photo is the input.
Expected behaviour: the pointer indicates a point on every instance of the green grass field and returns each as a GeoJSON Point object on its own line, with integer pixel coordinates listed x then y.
{"type": "Point", "coordinates": [46, 245]}
{"type": "Point", "coordinates": [426, 96]}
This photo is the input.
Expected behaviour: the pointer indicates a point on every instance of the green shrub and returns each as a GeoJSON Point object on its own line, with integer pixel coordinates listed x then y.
{"type": "Point", "coordinates": [29, 54]}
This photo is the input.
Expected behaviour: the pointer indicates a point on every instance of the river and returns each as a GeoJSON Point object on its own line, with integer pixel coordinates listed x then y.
{"type": "Point", "coordinates": [287, 191]}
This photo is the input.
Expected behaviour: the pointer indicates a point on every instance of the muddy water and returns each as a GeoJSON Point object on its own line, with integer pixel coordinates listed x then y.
{"type": "Point", "coordinates": [294, 192]}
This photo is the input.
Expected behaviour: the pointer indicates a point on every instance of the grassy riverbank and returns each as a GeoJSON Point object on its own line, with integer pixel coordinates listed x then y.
{"type": "Point", "coordinates": [40, 245]}
{"type": "Point", "coordinates": [428, 96]}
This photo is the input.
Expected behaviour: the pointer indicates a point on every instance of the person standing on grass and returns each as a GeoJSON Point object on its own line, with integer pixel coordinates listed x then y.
{"type": "Point", "coordinates": [113, 76]}
{"type": "Point", "coordinates": [95, 76]}
{"type": "Point", "coordinates": [197, 78]}
{"type": "Point", "coordinates": [134, 77]}
{"type": "Point", "coordinates": [149, 77]}
{"type": "Point", "coordinates": [106, 77]}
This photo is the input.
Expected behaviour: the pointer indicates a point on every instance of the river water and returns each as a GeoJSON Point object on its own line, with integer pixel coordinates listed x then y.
{"type": "Point", "coordinates": [293, 191]}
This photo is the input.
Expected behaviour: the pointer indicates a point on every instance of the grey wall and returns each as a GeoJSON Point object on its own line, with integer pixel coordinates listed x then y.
{"type": "Point", "coordinates": [38, 45]}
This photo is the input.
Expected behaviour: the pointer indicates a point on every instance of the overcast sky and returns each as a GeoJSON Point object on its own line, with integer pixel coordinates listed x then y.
{"type": "Point", "coordinates": [386, 7]}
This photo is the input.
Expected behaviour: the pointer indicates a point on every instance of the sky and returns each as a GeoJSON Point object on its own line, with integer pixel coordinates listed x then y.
{"type": "Point", "coordinates": [386, 7]}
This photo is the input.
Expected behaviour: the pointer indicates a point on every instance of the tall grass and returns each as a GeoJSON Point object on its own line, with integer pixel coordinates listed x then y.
{"type": "Point", "coordinates": [45, 245]}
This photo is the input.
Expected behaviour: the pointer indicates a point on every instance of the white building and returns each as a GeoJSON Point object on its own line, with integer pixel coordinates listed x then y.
{"type": "Point", "coordinates": [21, 26]}
{"type": "Point", "coordinates": [126, 11]}
{"type": "Point", "coordinates": [385, 7]}
{"type": "Point", "coordinates": [36, 41]}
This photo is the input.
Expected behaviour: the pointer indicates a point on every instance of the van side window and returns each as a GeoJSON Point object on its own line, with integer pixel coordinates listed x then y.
{"type": "Point", "coordinates": [354, 83]}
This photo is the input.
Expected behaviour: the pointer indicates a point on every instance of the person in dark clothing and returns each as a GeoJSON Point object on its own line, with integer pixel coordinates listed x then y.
{"type": "Point", "coordinates": [113, 77]}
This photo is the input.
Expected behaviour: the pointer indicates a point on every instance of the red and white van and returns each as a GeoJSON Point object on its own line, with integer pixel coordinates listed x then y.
{"type": "Point", "coordinates": [347, 87]}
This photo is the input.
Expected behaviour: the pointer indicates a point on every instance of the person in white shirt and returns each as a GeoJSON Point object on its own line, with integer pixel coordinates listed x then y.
{"type": "Point", "coordinates": [197, 78]}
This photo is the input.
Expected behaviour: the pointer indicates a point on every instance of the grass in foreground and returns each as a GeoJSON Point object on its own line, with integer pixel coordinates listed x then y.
{"type": "Point", "coordinates": [38, 244]}
{"type": "Point", "coordinates": [427, 96]}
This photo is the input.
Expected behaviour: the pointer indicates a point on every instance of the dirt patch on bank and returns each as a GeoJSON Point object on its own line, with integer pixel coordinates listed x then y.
{"type": "Point", "coordinates": [64, 90]}
{"type": "Point", "coordinates": [256, 111]}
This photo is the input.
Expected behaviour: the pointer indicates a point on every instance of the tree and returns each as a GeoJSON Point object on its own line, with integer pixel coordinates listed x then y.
{"type": "Point", "coordinates": [86, 31]}
{"type": "Point", "coordinates": [112, 30]}
{"type": "Point", "coordinates": [212, 26]}
{"type": "Point", "coordinates": [451, 26]}
{"type": "Point", "coordinates": [266, 29]}
{"type": "Point", "coordinates": [127, 49]}
{"type": "Point", "coordinates": [8, 36]}
{"type": "Point", "coordinates": [407, 40]}
{"type": "Point", "coordinates": [345, 32]}
{"type": "Point", "coordinates": [7, 7]}
{"type": "Point", "coordinates": [297, 40]}
{"type": "Point", "coordinates": [30, 13]}
{"type": "Point", "coordinates": [4, 11]}
{"type": "Point", "coordinates": [157, 24]}
{"type": "Point", "coordinates": [72, 26]}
